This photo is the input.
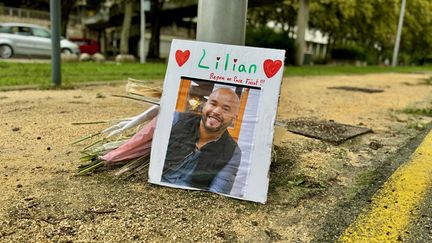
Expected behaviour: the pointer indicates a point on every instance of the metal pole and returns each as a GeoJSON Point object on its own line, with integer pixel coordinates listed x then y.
{"type": "Point", "coordinates": [143, 23]}
{"type": "Point", "coordinates": [398, 35]}
{"type": "Point", "coordinates": [55, 41]}
{"type": "Point", "coordinates": [222, 21]}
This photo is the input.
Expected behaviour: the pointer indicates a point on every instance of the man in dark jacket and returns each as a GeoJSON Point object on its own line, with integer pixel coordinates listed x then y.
{"type": "Point", "coordinates": [201, 153]}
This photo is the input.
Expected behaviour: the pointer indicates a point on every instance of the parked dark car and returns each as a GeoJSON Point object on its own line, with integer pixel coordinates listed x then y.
{"type": "Point", "coordinates": [85, 45]}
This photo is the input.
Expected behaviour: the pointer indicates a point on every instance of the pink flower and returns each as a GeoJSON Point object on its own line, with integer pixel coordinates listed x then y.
{"type": "Point", "coordinates": [137, 146]}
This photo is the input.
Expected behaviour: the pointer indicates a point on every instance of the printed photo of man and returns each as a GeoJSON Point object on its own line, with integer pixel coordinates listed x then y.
{"type": "Point", "coordinates": [201, 153]}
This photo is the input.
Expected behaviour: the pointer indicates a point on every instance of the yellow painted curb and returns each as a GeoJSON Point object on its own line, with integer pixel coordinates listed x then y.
{"type": "Point", "coordinates": [396, 203]}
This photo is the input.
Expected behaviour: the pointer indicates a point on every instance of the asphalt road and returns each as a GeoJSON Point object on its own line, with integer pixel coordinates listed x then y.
{"type": "Point", "coordinates": [421, 227]}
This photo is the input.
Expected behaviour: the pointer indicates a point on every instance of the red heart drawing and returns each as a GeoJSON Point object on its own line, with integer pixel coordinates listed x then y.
{"type": "Point", "coordinates": [271, 67]}
{"type": "Point", "coordinates": [182, 57]}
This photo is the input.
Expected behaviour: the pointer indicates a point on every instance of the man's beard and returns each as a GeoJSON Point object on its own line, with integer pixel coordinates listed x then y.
{"type": "Point", "coordinates": [222, 126]}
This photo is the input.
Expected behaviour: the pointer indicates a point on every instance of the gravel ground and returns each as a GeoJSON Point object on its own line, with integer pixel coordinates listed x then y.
{"type": "Point", "coordinates": [44, 200]}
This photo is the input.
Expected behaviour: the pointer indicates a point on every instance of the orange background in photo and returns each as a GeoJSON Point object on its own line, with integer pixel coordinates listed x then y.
{"type": "Point", "coordinates": [182, 102]}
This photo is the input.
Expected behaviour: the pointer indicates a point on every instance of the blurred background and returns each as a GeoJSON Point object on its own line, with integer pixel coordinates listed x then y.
{"type": "Point", "coordinates": [358, 32]}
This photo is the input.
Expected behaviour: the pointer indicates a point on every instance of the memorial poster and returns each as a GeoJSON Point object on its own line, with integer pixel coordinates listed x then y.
{"type": "Point", "coordinates": [215, 126]}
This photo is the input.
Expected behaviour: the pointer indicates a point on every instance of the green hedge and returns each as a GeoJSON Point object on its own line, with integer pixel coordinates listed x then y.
{"type": "Point", "coordinates": [350, 53]}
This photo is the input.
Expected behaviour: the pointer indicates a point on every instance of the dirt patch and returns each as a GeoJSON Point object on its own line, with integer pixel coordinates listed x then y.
{"type": "Point", "coordinates": [43, 200]}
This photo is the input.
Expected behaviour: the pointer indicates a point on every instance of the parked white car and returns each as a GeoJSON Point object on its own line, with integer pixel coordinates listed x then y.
{"type": "Point", "coordinates": [30, 39]}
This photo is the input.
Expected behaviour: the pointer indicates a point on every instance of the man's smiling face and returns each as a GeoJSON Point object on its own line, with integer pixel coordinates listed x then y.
{"type": "Point", "coordinates": [220, 110]}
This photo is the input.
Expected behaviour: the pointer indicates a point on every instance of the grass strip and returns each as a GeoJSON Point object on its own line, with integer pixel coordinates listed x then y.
{"type": "Point", "coordinates": [419, 111]}
{"type": "Point", "coordinates": [39, 74]}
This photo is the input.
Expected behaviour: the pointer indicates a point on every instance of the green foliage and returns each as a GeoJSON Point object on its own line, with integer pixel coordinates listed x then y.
{"type": "Point", "coordinates": [419, 111]}
{"type": "Point", "coordinates": [416, 125]}
{"type": "Point", "coordinates": [372, 57]}
{"type": "Point", "coordinates": [307, 182]}
{"type": "Point", "coordinates": [367, 177]}
{"type": "Point", "coordinates": [254, 37]}
{"type": "Point", "coordinates": [404, 59]}
{"type": "Point", "coordinates": [283, 13]}
{"type": "Point", "coordinates": [388, 54]}
{"type": "Point", "coordinates": [417, 32]}
{"type": "Point", "coordinates": [330, 17]}
{"type": "Point", "coordinates": [372, 24]}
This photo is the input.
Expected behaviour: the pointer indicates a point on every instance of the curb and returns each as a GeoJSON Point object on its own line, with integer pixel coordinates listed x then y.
{"type": "Point", "coordinates": [393, 207]}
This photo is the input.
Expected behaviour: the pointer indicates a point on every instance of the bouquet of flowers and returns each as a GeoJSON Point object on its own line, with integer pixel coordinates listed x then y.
{"type": "Point", "coordinates": [128, 142]}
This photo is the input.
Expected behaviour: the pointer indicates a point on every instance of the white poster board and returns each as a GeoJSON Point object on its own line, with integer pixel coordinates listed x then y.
{"type": "Point", "coordinates": [215, 126]}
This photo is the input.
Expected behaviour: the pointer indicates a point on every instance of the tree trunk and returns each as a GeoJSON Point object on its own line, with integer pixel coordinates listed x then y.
{"type": "Point", "coordinates": [102, 41]}
{"type": "Point", "coordinates": [66, 9]}
{"type": "Point", "coordinates": [302, 22]}
{"type": "Point", "coordinates": [330, 43]}
{"type": "Point", "coordinates": [64, 23]}
{"type": "Point", "coordinates": [153, 52]}
{"type": "Point", "coordinates": [124, 37]}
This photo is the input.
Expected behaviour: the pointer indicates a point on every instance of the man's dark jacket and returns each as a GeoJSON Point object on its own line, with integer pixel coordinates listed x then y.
{"type": "Point", "coordinates": [214, 155]}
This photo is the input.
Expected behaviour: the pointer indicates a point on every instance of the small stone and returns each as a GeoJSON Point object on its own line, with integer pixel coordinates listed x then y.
{"type": "Point", "coordinates": [375, 145]}
{"type": "Point", "coordinates": [38, 138]}
{"type": "Point", "coordinates": [220, 234]}
{"type": "Point", "coordinates": [49, 148]}
{"type": "Point", "coordinates": [19, 186]}
{"type": "Point", "coordinates": [99, 58]}
{"type": "Point", "coordinates": [15, 129]}
{"type": "Point", "coordinates": [401, 118]}
{"type": "Point", "coordinates": [125, 58]}
{"type": "Point", "coordinates": [254, 223]}
{"type": "Point", "coordinates": [84, 57]}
